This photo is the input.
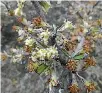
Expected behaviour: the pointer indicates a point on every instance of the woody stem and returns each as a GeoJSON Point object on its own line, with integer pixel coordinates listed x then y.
{"type": "Point", "coordinates": [82, 79]}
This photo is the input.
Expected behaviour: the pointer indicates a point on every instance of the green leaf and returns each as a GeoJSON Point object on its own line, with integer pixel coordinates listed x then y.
{"type": "Point", "coordinates": [45, 5]}
{"type": "Point", "coordinates": [35, 65]}
{"type": "Point", "coordinates": [79, 57]}
{"type": "Point", "coordinates": [65, 52]}
{"type": "Point", "coordinates": [95, 29]}
{"type": "Point", "coordinates": [41, 68]}
{"type": "Point", "coordinates": [66, 25]}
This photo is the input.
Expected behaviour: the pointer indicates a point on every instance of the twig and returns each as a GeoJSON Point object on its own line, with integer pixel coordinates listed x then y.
{"type": "Point", "coordinates": [6, 6]}
{"type": "Point", "coordinates": [82, 79]}
{"type": "Point", "coordinates": [78, 14]}
{"type": "Point", "coordinates": [93, 7]}
{"type": "Point", "coordinates": [39, 9]}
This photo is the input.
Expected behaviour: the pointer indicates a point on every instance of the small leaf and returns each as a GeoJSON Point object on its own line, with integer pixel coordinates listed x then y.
{"type": "Point", "coordinates": [45, 5]}
{"type": "Point", "coordinates": [79, 57]}
{"type": "Point", "coordinates": [65, 52]}
{"type": "Point", "coordinates": [95, 29]}
{"type": "Point", "coordinates": [11, 13]}
{"type": "Point", "coordinates": [14, 81]}
{"type": "Point", "coordinates": [41, 68]}
{"type": "Point", "coordinates": [79, 47]}
{"type": "Point", "coordinates": [3, 57]}
{"type": "Point", "coordinates": [35, 65]}
{"type": "Point", "coordinates": [66, 25]}
{"type": "Point", "coordinates": [24, 21]}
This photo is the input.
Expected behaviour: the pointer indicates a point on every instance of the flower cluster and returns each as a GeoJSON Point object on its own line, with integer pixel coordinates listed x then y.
{"type": "Point", "coordinates": [29, 41]}
{"type": "Point", "coordinates": [3, 56]}
{"type": "Point", "coordinates": [54, 80]}
{"type": "Point", "coordinates": [71, 65]}
{"type": "Point", "coordinates": [43, 54]}
{"type": "Point", "coordinates": [90, 86]}
{"type": "Point", "coordinates": [66, 25]}
{"type": "Point", "coordinates": [74, 88]}
{"type": "Point", "coordinates": [17, 55]}
{"type": "Point", "coordinates": [45, 36]}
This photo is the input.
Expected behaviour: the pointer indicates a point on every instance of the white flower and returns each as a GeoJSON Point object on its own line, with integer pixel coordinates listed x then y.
{"type": "Point", "coordinates": [45, 41]}
{"type": "Point", "coordinates": [17, 58]}
{"type": "Point", "coordinates": [69, 25]}
{"type": "Point", "coordinates": [85, 30]}
{"type": "Point", "coordinates": [66, 25]}
{"type": "Point", "coordinates": [19, 55]}
{"type": "Point", "coordinates": [54, 80]}
{"type": "Point", "coordinates": [29, 42]}
{"type": "Point", "coordinates": [52, 51]}
{"type": "Point", "coordinates": [30, 29]}
{"type": "Point", "coordinates": [21, 32]}
{"type": "Point", "coordinates": [79, 38]}
{"type": "Point", "coordinates": [13, 50]}
{"type": "Point", "coordinates": [86, 25]}
{"type": "Point", "coordinates": [25, 22]}
{"type": "Point", "coordinates": [34, 58]}
{"type": "Point", "coordinates": [90, 17]}
{"type": "Point", "coordinates": [41, 54]}
{"type": "Point", "coordinates": [22, 1]}
{"type": "Point", "coordinates": [45, 36]}
{"type": "Point", "coordinates": [18, 12]}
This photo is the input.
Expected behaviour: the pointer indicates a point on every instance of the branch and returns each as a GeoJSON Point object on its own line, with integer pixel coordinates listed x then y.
{"type": "Point", "coordinates": [82, 79]}
{"type": "Point", "coordinates": [39, 9]}
{"type": "Point", "coordinates": [77, 13]}
{"type": "Point", "coordinates": [6, 5]}
{"type": "Point", "coordinates": [93, 7]}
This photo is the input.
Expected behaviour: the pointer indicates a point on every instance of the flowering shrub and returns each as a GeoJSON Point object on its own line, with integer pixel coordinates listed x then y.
{"type": "Point", "coordinates": [39, 54]}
